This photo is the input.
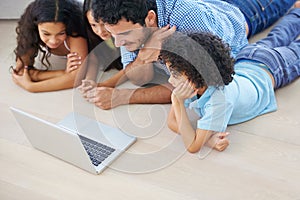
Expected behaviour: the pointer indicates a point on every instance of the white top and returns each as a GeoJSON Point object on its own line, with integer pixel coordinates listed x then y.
{"type": "Point", "coordinates": [57, 62]}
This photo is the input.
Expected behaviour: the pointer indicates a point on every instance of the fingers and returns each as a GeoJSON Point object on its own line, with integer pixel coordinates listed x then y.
{"type": "Point", "coordinates": [104, 97]}
{"type": "Point", "coordinates": [164, 32]}
{"type": "Point", "coordinates": [99, 97]}
{"type": "Point", "coordinates": [222, 135]}
{"type": "Point", "coordinates": [84, 89]}
{"type": "Point", "coordinates": [185, 90]}
{"type": "Point", "coordinates": [74, 61]}
{"type": "Point", "coordinates": [167, 31]}
{"type": "Point", "coordinates": [222, 144]}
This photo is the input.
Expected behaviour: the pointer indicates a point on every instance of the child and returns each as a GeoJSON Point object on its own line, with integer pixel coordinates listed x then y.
{"type": "Point", "coordinates": [51, 31]}
{"type": "Point", "coordinates": [102, 52]}
{"type": "Point", "coordinates": [221, 92]}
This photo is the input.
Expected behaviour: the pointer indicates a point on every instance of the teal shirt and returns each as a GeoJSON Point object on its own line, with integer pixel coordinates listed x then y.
{"type": "Point", "coordinates": [249, 95]}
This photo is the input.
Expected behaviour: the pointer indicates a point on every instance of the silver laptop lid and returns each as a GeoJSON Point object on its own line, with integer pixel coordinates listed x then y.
{"type": "Point", "coordinates": [63, 141]}
{"type": "Point", "coordinates": [53, 140]}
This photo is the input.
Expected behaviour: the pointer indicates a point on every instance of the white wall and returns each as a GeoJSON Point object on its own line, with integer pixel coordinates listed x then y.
{"type": "Point", "coordinates": [13, 9]}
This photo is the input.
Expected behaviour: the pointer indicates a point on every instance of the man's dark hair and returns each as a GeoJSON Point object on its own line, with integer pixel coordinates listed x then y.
{"type": "Point", "coordinates": [111, 11]}
{"type": "Point", "coordinates": [203, 57]}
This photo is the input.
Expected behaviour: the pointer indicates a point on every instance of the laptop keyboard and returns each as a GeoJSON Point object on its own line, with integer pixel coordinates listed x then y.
{"type": "Point", "coordinates": [98, 152]}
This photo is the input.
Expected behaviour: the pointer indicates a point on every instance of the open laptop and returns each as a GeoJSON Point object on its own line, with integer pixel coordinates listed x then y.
{"type": "Point", "coordinates": [77, 139]}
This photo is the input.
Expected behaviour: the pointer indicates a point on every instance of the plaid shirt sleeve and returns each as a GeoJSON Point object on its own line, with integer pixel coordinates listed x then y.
{"type": "Point", "coordinates": [217, 17]}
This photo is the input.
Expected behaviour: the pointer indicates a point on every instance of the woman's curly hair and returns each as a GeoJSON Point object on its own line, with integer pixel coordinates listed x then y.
{"type": "Point", "coordinates": [68, 12]}
{"type": "Point", "coordinates": [203, 57]}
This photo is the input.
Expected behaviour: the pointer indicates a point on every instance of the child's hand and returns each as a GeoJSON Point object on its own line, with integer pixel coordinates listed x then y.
{"type": "Point", "coordinates": [184, 91]}
{"type": "Point", "coordinates": [23, 80]}
{"type": "Point", "coordinates": [16, 70]}
{"type": "Point", "coordinates": [218, 141]}
{"type": "Point", "coordinates": [86, 86]}
{"type": "Point", "coordinates": [73, 62]}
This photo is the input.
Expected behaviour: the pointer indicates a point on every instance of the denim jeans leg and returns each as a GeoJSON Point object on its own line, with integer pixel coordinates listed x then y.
{"type": "Point", "coordinates": [285, 31]}
{"type": "Point", "coordinates": [260, 14]}
{"type": "Point", "coordinates": [289, 67]}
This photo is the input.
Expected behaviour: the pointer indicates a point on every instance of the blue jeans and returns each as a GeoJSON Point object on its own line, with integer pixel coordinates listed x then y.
{"type": "Point", "coordinates": [260, 14]}
{"type": "Point", "coordinates": [279, 51]}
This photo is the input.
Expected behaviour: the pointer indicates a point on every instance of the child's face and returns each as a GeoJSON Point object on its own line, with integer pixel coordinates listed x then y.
{"type": "Point", "coordinates": [176, 78]}
{"type": "Point", "coordinates": [98, 27]}
{"type": "Point", "coordinates": [52, 34]}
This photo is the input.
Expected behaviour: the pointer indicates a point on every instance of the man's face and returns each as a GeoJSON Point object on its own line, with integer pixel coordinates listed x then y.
{"type": "Point", "coordinates": [131, 36]}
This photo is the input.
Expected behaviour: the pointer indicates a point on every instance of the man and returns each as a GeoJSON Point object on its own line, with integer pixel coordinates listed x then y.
{"type": "Point", "coordinates": [134, 23]}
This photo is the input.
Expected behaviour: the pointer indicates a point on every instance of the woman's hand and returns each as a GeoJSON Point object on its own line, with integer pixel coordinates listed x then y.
{"type": "Point", "coordinates": [73, 62]}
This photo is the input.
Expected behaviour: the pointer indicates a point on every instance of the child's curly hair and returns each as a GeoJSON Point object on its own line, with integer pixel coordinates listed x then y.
{"type": "Point", "coordinates": [203, 57]}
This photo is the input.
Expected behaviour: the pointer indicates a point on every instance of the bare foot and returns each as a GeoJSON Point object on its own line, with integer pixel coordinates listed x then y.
{"type": "Point", "coordinates": [297, 4]}
{"type": "Point", "coordinates": [218, 141]}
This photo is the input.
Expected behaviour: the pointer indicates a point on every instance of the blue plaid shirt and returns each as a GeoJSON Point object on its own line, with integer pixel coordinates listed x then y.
{"type": "Point", "coordinates": [214, 16]}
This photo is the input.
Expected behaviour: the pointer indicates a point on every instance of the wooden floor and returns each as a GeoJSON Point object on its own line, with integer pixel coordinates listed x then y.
{"type": "Point", "coordinates": [262, 161]}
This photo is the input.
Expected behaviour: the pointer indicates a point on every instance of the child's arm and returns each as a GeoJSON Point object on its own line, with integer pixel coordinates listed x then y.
{"type": "Point", "coordinates": [193, 139]}
{"type": "Point", "coordinates": [53, 80]}
{"type": "Point", "coordinates": [172, 122]}
{"type": "Point", "coordinates": [74, 61]}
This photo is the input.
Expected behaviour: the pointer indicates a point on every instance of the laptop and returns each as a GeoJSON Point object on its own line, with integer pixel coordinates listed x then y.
{"type": "Point", "coordinates": [77, 139]}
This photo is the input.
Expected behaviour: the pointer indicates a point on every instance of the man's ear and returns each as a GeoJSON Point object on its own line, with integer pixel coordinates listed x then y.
{"type": "Point", "coordinates": [151, 19]}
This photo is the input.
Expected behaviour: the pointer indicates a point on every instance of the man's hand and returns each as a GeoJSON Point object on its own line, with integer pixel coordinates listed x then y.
{"type": "Point", "coordinates": [151, 49]}
{"type": "Point", "coordinates": [86, 85]}
{"type": "Point", "coordinates": [107, 98]}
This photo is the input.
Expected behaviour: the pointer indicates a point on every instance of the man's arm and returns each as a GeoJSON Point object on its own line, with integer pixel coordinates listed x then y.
{"type": "Point", "coordinates": [140, 70]}
{"type": "Point", "coordinates": [107, 98]}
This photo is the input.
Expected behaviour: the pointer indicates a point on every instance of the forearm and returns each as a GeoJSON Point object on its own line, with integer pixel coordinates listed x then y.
{"type": "Point", "coordinates": [154, 95]}
{"type": "Point", "coordinates": [65, 81]}
{"type": "Point", "coordinates": [172, 121]}
{"type": "Point", "coordinates": [115, 80]}
{"type": "Point", "coordinates": [159, 94]}
{"type": "Point", "coordinates": [40, 75]}
{"type": "Point", "coordinates": [138, 72]}
{"type": "Point", "coordinates": [184, 125]}
{"type": "Point", "coordinates": [89, 69]}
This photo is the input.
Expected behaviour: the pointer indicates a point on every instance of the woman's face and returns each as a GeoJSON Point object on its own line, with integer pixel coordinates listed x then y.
{"type": "Point", "coordinates": [98, 27]}
{"type": "Point", "coordinates": [53, 34]}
